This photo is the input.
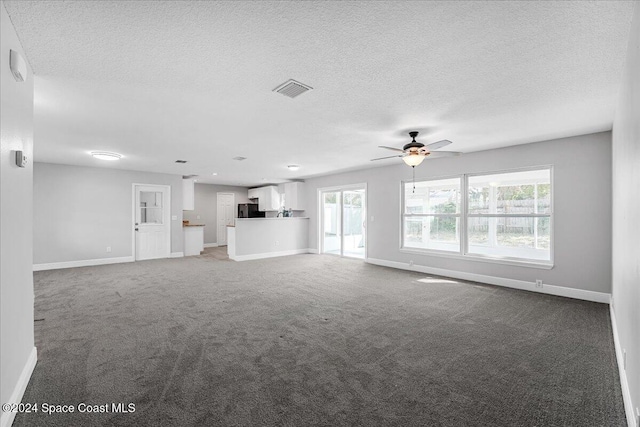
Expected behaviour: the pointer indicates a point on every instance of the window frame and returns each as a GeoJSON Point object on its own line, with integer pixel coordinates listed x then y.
{"type": "Point", "coordinates": [464, 216]}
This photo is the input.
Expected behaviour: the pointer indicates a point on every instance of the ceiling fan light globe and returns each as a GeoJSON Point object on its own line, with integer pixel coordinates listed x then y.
{"type": "Point", "coordinates": [413, 159]}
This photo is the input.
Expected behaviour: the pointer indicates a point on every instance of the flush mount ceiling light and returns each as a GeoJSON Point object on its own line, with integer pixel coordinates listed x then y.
{"type": "Point", "coordinates": [293, 167]}
{"type": "Point", "coordinates": [105, 155]}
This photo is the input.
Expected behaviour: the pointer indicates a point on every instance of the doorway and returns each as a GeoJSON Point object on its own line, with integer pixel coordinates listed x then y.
{"type": "Point", "coordinates": [343, 221]}
{"type": "Point", "coordinates": [225, 216]}
{"type": "Point", "coordinates": [152, 226]}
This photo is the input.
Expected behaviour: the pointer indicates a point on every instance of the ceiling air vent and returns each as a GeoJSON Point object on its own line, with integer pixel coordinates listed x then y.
{"type": "Point", "coordinates": [239, 158]}
{"type": "Point", "coordinates": [292, 88]}
{"type": "Point", "coordinates": [181, 161]}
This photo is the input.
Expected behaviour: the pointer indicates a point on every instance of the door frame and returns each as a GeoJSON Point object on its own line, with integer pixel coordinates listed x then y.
{"type": "Point", "coordinates": [342, 189]}
{"type": "Point", "coordinates": [133, 216]}
{"type": "Point", "coordinates": [235, 213]}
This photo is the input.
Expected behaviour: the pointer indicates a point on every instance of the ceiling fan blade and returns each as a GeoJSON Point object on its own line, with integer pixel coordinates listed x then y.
{"type": "Point", "coordinates": [391, 148]}
{"type": "Point", "coordinates": [438, 144]}
{"type": "Point", "coordinates": [388, 157]}
{"type": "Point", "coordinates": [436, 154]}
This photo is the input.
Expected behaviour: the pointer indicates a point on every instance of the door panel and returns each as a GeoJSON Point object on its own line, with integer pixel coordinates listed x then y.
{"type": "Point", "coordinates": [332, 223]}
{"type": "Point", "coordinates": [152, 225]}
{"type": "Point", "coordinates": [343, 222]}
{"type": "Point", "coordinates": [353, 232]}
{"type": "Point", "coordinates": [226, 216]}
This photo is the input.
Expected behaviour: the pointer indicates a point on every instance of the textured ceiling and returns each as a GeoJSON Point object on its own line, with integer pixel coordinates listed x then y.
{"type": "Point", "coordinates": [160, 81]}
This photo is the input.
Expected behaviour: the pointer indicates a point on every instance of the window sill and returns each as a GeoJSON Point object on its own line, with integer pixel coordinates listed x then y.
{"type": "Point", "coordinates": [479, 258]}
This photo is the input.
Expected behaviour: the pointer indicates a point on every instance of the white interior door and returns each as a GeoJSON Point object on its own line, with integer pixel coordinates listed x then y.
{"type": "Point", "coordinates": [226, 215]}
{"type": "Point", "coordinates": [152, 226]}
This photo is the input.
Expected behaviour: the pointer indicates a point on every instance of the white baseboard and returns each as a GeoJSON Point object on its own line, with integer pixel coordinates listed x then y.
{"type": "Point", "coordinates": [624, 383]}
{"type": "Point", "coordinates": [82, 263]}
{"type": "Point", "coordinates": [312, 251]}
{"type": "Point", "coordinates": [210, 245]}
{"type": "Point", "coordinates": [269, 255]}
{"type": "Point", "coordinates": [6, 418]}
{"type": "Point", "coordinates": [176, 255]}
{"type": "Point", "coordinates": [499, 281]}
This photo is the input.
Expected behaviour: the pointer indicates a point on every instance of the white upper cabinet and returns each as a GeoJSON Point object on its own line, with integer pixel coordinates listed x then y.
{"type": "Point", "coordinates": [268, 198]}
{"type": "Point", "coordinates": [254, 193]}
{"type": "Point", "coordinates": [188, 195]}
{"type": "Point", "coordinates": [294, 196]}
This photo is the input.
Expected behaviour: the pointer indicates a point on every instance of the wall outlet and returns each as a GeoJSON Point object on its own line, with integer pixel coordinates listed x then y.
{"type": "Point", "coordinates": [108, 248]}
{"type": "Point", "coordinates": [411, 262]}
{"type": "Point", "coordinates": [538, 283]}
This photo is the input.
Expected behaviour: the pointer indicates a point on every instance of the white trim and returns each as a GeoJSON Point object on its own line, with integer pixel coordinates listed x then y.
{"type": "Point", "coordinates": [312, 251]}
{"type": "Point", "coordinates": [176, 255]}
{"type": "Point", "coordinates": [269, 255]}
{"type": "Point", "coordinates": [499, 281]}
{"type": "Point", "coordinates": [624, 383]}
{"type": "Point", "coordinates": [82, 263]}
{"type": "Point", "coordinates": [6, 418]}
{"type": "Point", "coordinates": [210, 245]}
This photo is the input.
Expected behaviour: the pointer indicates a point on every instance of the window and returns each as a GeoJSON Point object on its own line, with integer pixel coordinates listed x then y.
{"type": "Point", "coordinates": [509, 215]}
{"type": "Point", "coordinates": [504, 216]}
{"type": "Point", "coordinates": [432, 215]}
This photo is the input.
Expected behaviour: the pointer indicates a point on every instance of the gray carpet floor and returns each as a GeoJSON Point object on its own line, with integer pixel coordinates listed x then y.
{"type": "Point", "coordinates": [312, 340]}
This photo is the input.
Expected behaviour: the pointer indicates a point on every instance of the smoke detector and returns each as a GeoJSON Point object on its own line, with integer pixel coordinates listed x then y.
{"type": "Point", "coordinates": [292, 88]}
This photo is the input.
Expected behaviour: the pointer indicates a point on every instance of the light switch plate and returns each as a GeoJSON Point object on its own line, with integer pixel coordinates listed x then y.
{"type": "Point", "coordinates": [21, 159]}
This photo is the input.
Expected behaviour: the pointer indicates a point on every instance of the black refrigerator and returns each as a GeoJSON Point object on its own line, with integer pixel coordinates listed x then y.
{"type": "Point", "coordinates": [249, 210]}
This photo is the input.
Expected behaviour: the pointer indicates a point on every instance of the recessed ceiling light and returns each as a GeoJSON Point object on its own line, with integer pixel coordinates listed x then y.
{"type": "Point", "coordinates": [294, 167]}
{"type": "Point", "coordinates": [215, 173]}
{"type": "Point", "coordinates": [105, 155]}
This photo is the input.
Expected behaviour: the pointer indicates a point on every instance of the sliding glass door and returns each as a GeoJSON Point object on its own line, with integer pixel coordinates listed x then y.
{"type": "Point", "coordinates": [343, 216]}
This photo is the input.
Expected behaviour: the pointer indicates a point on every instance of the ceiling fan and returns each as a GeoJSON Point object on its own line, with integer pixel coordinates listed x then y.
{"type": "Point", "coordinates": [415, 152]}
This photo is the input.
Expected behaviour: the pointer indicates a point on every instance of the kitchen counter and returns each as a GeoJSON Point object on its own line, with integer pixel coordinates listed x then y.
{"type": "Point", "coordinates": [256, 238]}
{"type": "Point", "coordinates": [193, 239]}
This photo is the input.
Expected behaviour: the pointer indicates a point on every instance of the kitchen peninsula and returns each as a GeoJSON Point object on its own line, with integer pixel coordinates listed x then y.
{"type": "Point", "coordinates": [256, 238]}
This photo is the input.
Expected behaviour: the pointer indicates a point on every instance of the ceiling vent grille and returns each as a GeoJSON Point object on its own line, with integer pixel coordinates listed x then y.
{"type": "Point", "coordinates": [239, 158]}
{"type": "Point", "coordinates": [181, 161]}
{"type": "Point", "coordinates": [292, 88]}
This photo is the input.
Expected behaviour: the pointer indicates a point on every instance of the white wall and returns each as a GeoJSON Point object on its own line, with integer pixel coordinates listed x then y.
{"type": "Point", "coordinates": [582, 201]}
{"type": "Point", "coordinates": [626, 214]}
{"type": "Point", "coordinates": [17, 351]}
{"type": "Point", "coordinates": [79, 211]}
{"type": "Point", "coordinates": [206, 206]}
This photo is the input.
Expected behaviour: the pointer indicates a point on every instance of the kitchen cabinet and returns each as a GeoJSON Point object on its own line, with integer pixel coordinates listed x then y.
{"type": "Point", "coordinates": [254, 193]}
{"type": "Point", "coordinates": [268, 198]}
{"type": "Point", "coordinates": [294, 197]}
{"type": "Point", "coordinates": [188, 195]}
